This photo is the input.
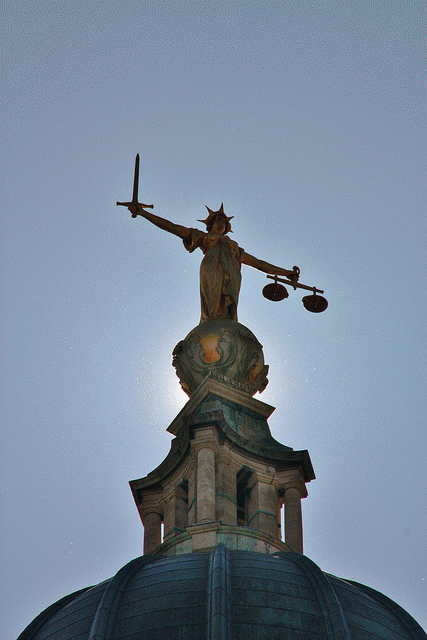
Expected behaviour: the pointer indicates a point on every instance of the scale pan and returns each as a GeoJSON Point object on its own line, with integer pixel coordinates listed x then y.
{"type": "Point", "coordinates": [315, 303]}
{"type": "Point", "coordinates": [275, 292]}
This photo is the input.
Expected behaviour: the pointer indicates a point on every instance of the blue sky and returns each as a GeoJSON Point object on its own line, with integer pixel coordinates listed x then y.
{"type": "Point", "coordinates": [308, 121]}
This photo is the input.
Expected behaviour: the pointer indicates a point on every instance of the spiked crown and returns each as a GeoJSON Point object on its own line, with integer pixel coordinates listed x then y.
{"type": "Point", "coordinates": [213, 214]}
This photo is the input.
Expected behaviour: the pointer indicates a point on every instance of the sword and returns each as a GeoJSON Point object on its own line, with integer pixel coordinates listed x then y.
{"type": "Point", "coordinates": [135, 190]}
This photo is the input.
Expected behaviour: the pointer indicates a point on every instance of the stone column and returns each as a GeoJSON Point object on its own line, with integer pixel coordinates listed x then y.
{"type": "Point", "coordinates": [293, 519]}
{"type": "Point", "coordinates": [205, 485]}
{"type": "Point", "coordinates": [152, 531]}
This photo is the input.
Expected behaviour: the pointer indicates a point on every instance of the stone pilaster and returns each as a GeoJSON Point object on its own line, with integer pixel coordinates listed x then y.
{"type": "Point", "coordinates": [205, 485]}
{"type": "Point", "coordinates": [226, 499]}
{"type": "Point", "coordinates": [175, 511]}
{"type": "Point", "coordinates": [262, 506]}
{"type": "Point", "coordinates": [181, 509]}
{"type": "Point", "coordinates": [192, 501]}
{"type": "Point", "coordinates": [293, 519]}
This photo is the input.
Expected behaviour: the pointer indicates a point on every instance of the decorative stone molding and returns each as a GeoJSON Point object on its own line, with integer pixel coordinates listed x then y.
{"type": "Point", "coordinates": [203, 537]}
{"type": "Point", "coordinates": [151, 502]}
{"type": "Point", "coordinates": [205, 437]}
{"type": "Point", "coordinates": [290, 479]}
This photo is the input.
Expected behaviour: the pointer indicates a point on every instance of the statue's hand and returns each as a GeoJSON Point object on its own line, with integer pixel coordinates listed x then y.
{"type": "Point", "coordinates": [294, 274]}
{"type": "Point", "coordinates": [135, 209]}
{"type": "Point", "coordinates": [138, 209]}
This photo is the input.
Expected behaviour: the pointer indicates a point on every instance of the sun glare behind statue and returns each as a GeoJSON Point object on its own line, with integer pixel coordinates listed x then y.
{"type": "Point", "coordinates": [280, 390]}
{"type": "Point", "coordinates": [175, 397]}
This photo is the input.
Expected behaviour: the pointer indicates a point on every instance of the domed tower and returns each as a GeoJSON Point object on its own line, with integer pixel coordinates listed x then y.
{"type": "Point", "coordinates": [216, 563]}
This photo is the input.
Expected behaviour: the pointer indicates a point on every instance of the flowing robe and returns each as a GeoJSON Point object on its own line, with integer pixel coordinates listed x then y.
{"type": "Point", "coordinates": [220, 275]}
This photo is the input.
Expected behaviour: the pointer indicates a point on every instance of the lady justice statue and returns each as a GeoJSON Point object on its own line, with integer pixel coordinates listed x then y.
{"type": "Point", "coordinates": [220, 347]}
{"type": "Point", "coordinates": [220, 270]}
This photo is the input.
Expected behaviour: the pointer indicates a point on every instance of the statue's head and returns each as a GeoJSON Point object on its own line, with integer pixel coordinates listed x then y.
{"type": "Point", "coordinates": [215, 218]}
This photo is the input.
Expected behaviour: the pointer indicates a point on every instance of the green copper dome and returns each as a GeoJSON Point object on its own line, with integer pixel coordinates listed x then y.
{"type": "Point", "coordinates": [224, 595]}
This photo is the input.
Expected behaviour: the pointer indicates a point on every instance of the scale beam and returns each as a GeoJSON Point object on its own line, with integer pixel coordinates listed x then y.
{"type": "Point", "coordinates": [277, 292]}
{"type": "Point", "coordinates": [296, 285]}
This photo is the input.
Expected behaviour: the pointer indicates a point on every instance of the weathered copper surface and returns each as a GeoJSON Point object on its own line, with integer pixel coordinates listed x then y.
{"type": "Point", "coordinates": [225, 595]}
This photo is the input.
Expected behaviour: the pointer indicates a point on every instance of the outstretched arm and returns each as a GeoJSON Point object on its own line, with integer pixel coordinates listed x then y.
{"type": "Point", "coordinates": [162, 223]}
{"type": "Point", "coordinates": [266, 267]}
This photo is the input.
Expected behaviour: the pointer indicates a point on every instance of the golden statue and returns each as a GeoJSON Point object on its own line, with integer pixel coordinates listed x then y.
{"type": "Point", "coordinates": [220, 275]}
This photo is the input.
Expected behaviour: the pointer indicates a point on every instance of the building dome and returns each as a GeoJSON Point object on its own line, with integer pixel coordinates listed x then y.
{"type": "Point", "coordinates": [224, 594]}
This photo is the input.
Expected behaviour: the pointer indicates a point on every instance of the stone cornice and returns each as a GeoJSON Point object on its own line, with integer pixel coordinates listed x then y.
{"type": "Point", "coordinates": [209, 385]}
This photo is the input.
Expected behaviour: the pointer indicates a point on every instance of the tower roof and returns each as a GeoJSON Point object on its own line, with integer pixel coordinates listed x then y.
{"type": "Point", "coordinates": [221, 595]}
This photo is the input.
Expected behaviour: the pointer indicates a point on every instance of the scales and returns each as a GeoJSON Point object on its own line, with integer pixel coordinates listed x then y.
{"type": "Point", "coordinates": [277, 292]}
